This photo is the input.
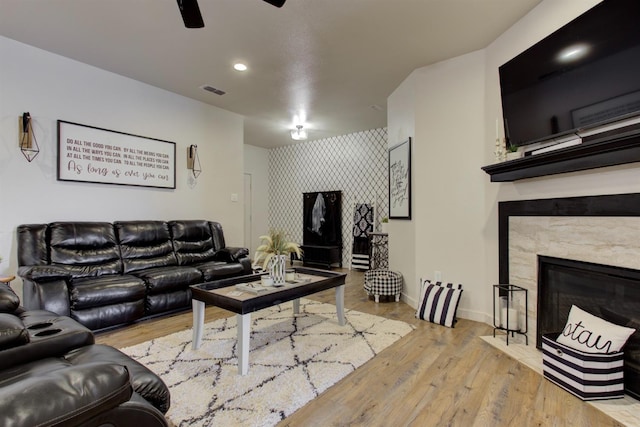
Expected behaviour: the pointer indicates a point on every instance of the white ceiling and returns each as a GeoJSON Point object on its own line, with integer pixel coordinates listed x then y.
{"type": "Point", "coordinates": [332, 59]}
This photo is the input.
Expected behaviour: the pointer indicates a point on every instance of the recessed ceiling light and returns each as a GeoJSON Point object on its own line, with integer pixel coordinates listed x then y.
{"type": "Point", "coordinates": [239, 66]}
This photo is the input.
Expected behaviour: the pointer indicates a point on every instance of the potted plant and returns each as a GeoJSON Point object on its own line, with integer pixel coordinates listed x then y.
{"type": "Point", "coordinates": [273, 252]}
{"type": "Point", "coordinates": [512, 152]}
{"type": "Point", "coordinates": [383, 224]}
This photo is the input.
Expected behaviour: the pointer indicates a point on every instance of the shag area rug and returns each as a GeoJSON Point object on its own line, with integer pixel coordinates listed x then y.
{"type": "Point", "coordinates": [292, 360]}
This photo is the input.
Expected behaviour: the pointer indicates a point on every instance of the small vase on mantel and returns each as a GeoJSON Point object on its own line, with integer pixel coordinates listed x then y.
{"type": "Point", "coordinates": [277, 267]}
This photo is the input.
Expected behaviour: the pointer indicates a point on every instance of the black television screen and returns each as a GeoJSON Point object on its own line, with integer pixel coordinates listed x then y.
{"type": "Point", "coordinates": [583, 75]}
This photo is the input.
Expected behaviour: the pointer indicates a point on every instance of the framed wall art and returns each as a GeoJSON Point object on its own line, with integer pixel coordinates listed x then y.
{"type": "Point", "coordinates": [91, 154]}
{"type": "Point", "coordinates": [400, 180]}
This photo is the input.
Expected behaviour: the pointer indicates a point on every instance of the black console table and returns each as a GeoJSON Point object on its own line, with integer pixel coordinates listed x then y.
{"type": "Point", "coordinates": [321, 255]}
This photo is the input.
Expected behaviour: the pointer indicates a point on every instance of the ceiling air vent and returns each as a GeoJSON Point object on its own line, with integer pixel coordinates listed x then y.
{"type": "Point", "coordinates": [213, 90]}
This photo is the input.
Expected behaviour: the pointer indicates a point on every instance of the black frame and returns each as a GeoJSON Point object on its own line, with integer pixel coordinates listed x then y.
{"type": "Point", "coordinates": [400, 180]}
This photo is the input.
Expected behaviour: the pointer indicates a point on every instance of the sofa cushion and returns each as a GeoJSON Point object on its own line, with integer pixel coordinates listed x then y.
{"type": "Point", "coordinates": [144, 245]}
{"type": "Point", "coordinates": [192, 241]}
{"type": "Point", "coordinates": [165, 279]}
{"type": "Point", "coordinates": [33, 368]}
{"type": "Point", "coordinates": [85, 249]}
{"type": "Point", "coordinates": [109, 315]}
{"type": "Point", "coordinates": [80, 392]}
{"type": "Point", "coordinates": [215, 270]}
{"type": "Point", "coordinates": [32, 244]}
{"type": "Point", "coordinates": [144, 382]}
{"type": "Point", "coordinates": [167, 301]}
{"type": "Point", "coordinates": [217, 235]}
{"type": "Point", "coordinates": [105, 290]}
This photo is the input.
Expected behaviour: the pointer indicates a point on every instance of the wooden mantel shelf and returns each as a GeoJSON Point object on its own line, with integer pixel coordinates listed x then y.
{"type": "Point", "coordinates": [606, 149]}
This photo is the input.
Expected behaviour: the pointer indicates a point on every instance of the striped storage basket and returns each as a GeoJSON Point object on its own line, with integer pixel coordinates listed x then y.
{"type": "Point", "coordinates": [589, 376]}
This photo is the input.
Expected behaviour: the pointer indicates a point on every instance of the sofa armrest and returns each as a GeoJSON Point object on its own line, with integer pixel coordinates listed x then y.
{"type": "Point", "coordinates": [9, 301]}
{"type": "Point", "coordinates": [43, 273]}
{"type": "Point", "coordinates": [49, 335]}
{"type": "Point", "coordinates": [137, 412]}
{"type": "Point", "coordinates": [52, 296]}
{"type": "Point", "coordinates": [237, 253]}
{"type": "Point", "coordinates": [73, 395]}
{"type": "Point", "coordinates": [13, 333]}
{"type": "Point", "coordinates": [146, 383]}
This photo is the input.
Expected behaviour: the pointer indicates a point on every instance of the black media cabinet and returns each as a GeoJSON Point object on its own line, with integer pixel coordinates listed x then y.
{"type": "Point", "coordinates": [321, 255]}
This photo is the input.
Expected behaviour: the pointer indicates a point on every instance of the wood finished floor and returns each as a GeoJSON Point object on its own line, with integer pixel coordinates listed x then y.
{"type": "Point", "coordinates": [434, 376]}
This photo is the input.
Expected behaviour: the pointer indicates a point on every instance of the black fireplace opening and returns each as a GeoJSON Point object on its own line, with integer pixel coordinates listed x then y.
{"type": "Point", "coordinates": [609, 292]}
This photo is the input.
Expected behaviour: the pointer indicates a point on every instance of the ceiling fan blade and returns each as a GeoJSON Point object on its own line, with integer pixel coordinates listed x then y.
{"type": "Point", "coordinates": [276, 3]}
{"type": "Point", "coordinates": [190, 13]}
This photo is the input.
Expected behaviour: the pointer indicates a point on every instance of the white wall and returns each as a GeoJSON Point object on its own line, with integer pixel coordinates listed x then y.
{"type": "Point", "coordinates": [401, 124]}
{"type": "Point", "coordinates": [52, 87]}
{"type": "Point", "coordinates": [256, 164]}
{"type": "Point", "coordinates": [454, 105]}
{"type": "Point", "coordinates": [447, 182]}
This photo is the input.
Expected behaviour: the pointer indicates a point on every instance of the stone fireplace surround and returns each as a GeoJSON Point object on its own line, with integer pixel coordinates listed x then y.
{"type": "Point", "coordinates": [597, 229]}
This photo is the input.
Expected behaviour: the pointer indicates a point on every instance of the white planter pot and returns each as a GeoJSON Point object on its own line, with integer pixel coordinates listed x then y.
{"type": "Point", "coordinates": [276, 268]}
{"type": "Point", "coordinates": [383, 227]}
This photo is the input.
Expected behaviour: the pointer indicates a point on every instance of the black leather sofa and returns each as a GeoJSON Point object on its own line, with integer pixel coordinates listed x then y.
{"type": "Point", "coordinates": [107, 274]}
{"type": "Point", "coordinates": [52, 374]}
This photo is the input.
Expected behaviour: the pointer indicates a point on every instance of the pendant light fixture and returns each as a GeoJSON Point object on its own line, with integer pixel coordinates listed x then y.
{"type": "Point", "coordinates": [298, 134]}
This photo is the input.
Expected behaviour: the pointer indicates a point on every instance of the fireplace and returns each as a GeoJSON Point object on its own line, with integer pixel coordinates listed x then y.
{"type": "Point", "coordinates": [602, 232]}
{"type": "Point", "coordinates": [609, 292]}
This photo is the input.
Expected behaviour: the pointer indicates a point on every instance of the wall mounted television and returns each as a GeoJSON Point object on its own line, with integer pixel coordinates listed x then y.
{"type": "Point", "coordinates": [584, 75]}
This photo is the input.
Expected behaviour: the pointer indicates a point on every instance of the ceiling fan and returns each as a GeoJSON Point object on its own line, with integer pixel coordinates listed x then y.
{"type": "Point", "coordinates": [192, 17]}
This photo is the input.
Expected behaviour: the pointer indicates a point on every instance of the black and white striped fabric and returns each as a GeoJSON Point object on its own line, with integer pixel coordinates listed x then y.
{"type": "Point", "coordinates": [362, 226]}
{"type": "Point", "coordinates": [439, 302]}
{"type": "Point", "coordinates": [589, 376]}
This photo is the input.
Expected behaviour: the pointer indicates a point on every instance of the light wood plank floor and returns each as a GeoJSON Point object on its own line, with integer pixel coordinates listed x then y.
{"type": "Point", "coordinates": [435, 376]}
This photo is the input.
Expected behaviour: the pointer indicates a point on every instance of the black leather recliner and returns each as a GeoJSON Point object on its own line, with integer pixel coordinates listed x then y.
{"type": "Point", "coordinates": [108, 274]}
{"type": "Point", "coordinates": [52, 374]}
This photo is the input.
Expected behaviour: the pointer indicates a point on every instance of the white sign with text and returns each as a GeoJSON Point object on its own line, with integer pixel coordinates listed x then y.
{"type": "Point", "coordinates": [91, 154]}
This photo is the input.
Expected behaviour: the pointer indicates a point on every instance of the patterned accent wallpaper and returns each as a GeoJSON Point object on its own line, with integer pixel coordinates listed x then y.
{"type": "Point", "coordinates": [355, 164]}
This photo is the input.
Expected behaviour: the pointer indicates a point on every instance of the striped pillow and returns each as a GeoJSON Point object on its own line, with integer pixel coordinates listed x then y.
{"type": "Point", "coordinates": [439, 302]}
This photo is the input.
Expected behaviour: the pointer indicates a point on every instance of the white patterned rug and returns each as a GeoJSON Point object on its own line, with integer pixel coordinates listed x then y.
{"type": "Point", "coordinates": [291, 361]}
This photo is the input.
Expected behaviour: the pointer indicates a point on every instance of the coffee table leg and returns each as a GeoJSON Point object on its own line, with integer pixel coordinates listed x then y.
{"type": "Point", "coordinates": [198, 323]}
{"type": "Point", "coordinates": [244, 329]}
{"type": "Point", "coordinates": [296, 306]}
{"type": "Point", "coordinates": [340, 305]}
